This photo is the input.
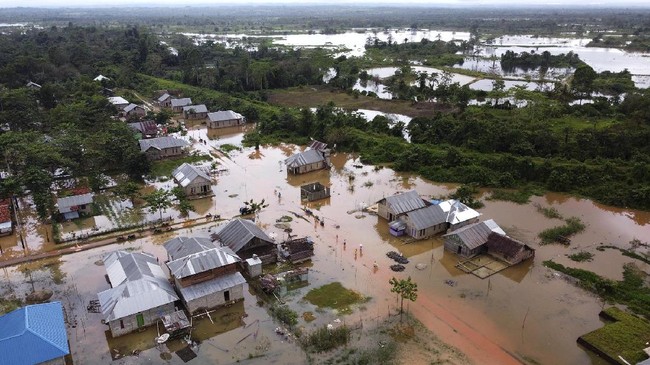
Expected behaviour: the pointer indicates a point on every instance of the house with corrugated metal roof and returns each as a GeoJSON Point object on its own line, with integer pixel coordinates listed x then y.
{"type": "Point", "coordinates": [508, 249]}
{"type": "Point", "coordinates": [178, 104]}
{"type": "Point", "coordinates": [70, 207]}
{"type": "Point", "coordinates": [425, 222]}
{"type": "Point", "coordinates": [119, 102]}
{"type": "Point", "coordinates": [316, 157]}
{"type": "Point", "coordinates": [133, 111]}
{"type": "Point", "coordinates": [195, 111]}
{"type": "Point", "coordinates": [458, 214]}
{"type": "Point", "coordinates": [162, 147]}
{"type": "Point", "coordinates": [469, 241]}
{"type": "Point", "coordinates": [34, 334]}
{"type": "Point", "coordinates": [246, 239]}
{"type": "Point", "coordinates": [204, 274]}
{"type": "Point", "coordinates": [194, 180]}
{"type": "Point", "coordinates": [164, 100]}
{"type": "Point", "coordinates": [223, 119]}
{"type": "Point", "coordinates": [397, 205]}
{"type": "Point", "coordinates": [140, 292]}
{"type": "Point", "coordinates": [146, 129]}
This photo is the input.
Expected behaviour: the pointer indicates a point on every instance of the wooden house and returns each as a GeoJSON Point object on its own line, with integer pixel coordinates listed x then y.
{"type": "Point", "coordinates": [316, 157]}
{"type": "Point", "coordinates": [469, 241]}
{"type": "Point", "coordinates": [508, 249]}
{"type": "Point", "coordinates": [297, 250]}
{"type": "Point", "coordinates": [396, 205]}
{"type": "Point", "coordinates": [162, 147]}
{"type": "Point", "coordinates": [314, 191]}
{"type": "Point", "coordinates": [223, 119]}
{"type": "Point", "coordinates": [70, 207]}
{"type": "Point", "coordinates": [178, 104]}
{"type": "Point", "coordinates": [133, 111]}
{"type": "Point", "coordinates": [140, 292]}
{"type": "Point", "coordinates": [425, 222]}
{"type": "Point", "coordinates": [6, 223]}
{"type": "Point", "coordinates": [194, 180]}
{"type": "Point", "coordinates": [193, 112]}
{"type": "Point", "coordinates": [34, 334]}
{"type": "Point", "coordinates": [164, 100]}
{"type": "Point", "coordinates": [246, 239]}
{"type": "Point", "coordinates": [146, 129]}
{"type": "Point", "coordinates": [33, 86]}
{"type": "Point", "coordinates": [205, 275]}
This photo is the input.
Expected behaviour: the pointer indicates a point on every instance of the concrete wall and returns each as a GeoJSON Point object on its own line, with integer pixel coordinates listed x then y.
{"type": "Point", "coordinates": [154, 154]}
{"type": "Point", "coordinates": [308, 168]}
{"type": "Point", "coordinates": [192, 116]}
{"type": "Point", "coordinates": [130, 323]}
{"type": "Point", "coordinates": [215, 299]}
{"type": "Point", "coordinates": [196, 188]}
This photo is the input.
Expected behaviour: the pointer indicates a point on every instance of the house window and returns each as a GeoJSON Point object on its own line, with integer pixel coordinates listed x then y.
{"type": "Point", "coordinates": [121, 324]}
{"type": "Point", "coordinates": [226, 295]}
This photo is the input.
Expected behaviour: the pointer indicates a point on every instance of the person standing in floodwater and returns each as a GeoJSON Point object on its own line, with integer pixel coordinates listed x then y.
{"type": "Point", "coordinates": [344, 245]}
{"type": "Point", "coordinates": [355, 253]}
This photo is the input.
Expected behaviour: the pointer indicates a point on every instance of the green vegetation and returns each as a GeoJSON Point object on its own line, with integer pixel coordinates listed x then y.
{"type": "Point", "coordinates": [158, 200]}
{"type": "Point", "coordinates": [406, 289]}
{"type": "Point", "coordinates": [527, 61]}
{"type": "Point", "coordinates": [9, 304]}
{"type": "Point", "coordinates": [626, 336]}
{"type": "Point", "coordinates": [549, 212]}
{"type": "Point", "coordinates": [227, 148]}
{"type": "Point", "coordinates": [335, 296]}
{"type": "Point", "coordinates": [164, 168]}
{"type": "Point", "coordinates": [581, 256]}
{"type": "Point", "coordinates": [284, 314]}
{"type": "Point", "coordinates": [630, 291]}
{"type": "Point", "coordinates": [324, 339]}
{"type": "Point", "coordinates": [515, 196]}
{"type": "Point", "coordinates": [628, 253]}
{"type": "Point", "coordinates": [465, 194]}
{"type": "Point", "coordinates": [558, 234]}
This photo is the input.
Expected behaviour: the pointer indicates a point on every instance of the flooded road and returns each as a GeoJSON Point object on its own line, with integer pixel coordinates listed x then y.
{"type": "Point", "coordinates": [519, 313]}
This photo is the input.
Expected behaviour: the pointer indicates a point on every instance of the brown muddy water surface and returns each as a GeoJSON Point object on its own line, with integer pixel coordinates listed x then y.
{"type": "Point", "coordinates": [526, 311]}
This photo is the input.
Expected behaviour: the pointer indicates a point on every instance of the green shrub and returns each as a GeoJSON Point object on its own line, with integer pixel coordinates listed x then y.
{"type": "Point", "coordinates": [284, 314]}
{"type": "Point", "coordinates": [324, 339]}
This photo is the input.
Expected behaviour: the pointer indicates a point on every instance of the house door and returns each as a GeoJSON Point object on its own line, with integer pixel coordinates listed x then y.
{"type": "Point", "coordinates": [390, 217]}
{"type": "Point", "coordinates": [459, 249]}
{"type": "Point", "coordinates": [140, 319]}
{"type": "Point", "coordinates": [226, 295]}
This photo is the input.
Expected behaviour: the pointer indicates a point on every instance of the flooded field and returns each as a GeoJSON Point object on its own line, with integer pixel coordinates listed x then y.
{"type": "Point", "coordinates": [521, 312]}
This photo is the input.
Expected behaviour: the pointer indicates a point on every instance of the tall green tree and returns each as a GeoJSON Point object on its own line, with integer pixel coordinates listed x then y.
{"type": "Point", "coordinates": [158, 201]}
{"type": "Point", "coordinates": [406, 289]}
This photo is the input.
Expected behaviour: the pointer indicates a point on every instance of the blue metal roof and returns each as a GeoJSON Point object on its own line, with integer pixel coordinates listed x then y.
{"type": "Point", "coordinates": [33, 334]}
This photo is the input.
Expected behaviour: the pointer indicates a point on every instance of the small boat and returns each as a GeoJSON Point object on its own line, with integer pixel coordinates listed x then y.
{"type": "Point", "coordinates": [163, 338]}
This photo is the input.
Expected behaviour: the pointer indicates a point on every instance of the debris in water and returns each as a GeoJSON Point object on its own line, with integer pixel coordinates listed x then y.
{"type": "Point", "coordinates": [421, 266]}
{"type": "Point", "coordinates": [397, 267]}
{"type": "Point", "coordinates": [450, 282]}
{"type": "Point", "coordinates": [398, 257]}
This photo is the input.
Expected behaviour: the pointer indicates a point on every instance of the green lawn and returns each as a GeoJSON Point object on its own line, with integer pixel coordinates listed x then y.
{"type": "Point", "coordinates": [165, 167]}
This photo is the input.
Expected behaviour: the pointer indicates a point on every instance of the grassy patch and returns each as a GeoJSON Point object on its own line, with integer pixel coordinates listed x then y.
{"type": "Point", "coordinates": [556, 234]}
{"type": "Point", "coordinates": [284, 314]}
{"type": "Point", "coordinates": [334, 296]}
{"type": "Point", "coordinates": [515, 196]}
{"type": "Point", "coordinates": [227, 148]}
{"type": "Point", "coordinates": [549, 212]}
{"type": "Point", "coordinates": [581, 256]}
{"type": "Point", "coordinates": [625, 337]}
{"type": "Point", "coordinates": [630, 291]}
{"type": "Point", "coordinates": [165, 167]}
{"type": "Point", "coordinates": [324, 339]}
{"type": "Point", "coordinates": [8, 305]}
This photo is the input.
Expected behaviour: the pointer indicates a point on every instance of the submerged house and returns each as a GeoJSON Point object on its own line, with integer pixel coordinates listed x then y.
{"type": "Point", "coordinates": [162, 147]}
{"type": "Point", "coordinates": [316, 157]}
{"type": "Point", "coordinates": [6, 224]}
{"type": "Point", "coordinates": [297, 250]}
{"type": "Point", "coordinates": [396, 205]}
{"type": "Point", "coordinates": [469, 241]}
{"type": "Point", "coordinates": [223, 119]}
{"type": "Point", "coordinates": [194, 180]}
{"type": "Point", "coordinates": [34, 334]}
{"type": "Point", "coordinates": [178, 104]}
{"type": "Point", "coordinates": [195, 111]}
{"type": "Point", "coordinates": [140, 292]}
{"type": "Point", "coordinates": [71, 206]}
{"type": "Point", "coordinates": [508, 249]}
{"type": "Point", "coordinates": [424, 222]}
{"type": "Point", "coordinates": [246, 239]}
{"type": "Point", "coordinates": [314, 191]}
{"type": "Point", "coordinates": [205, 275]}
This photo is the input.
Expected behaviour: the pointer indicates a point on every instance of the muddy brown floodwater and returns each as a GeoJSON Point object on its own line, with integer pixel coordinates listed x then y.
{"type": "Point", "coordinates": [523, 314]}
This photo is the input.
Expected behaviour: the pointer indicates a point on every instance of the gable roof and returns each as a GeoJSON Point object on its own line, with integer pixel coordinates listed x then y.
{"type": "Point", "coordinates": [202, 261]}
{"type": "Point", "coordinates": [507, 246]}
{"type": "Point", "coordinates": [218, 284]}
{"type": "Point", "coordinates": [65, 204]}
{"type": "Point", "coordinates": [117, 100]}
{"type": "Point", "coordinates": [147, 127]}
{"type": "Point", "coordinates": [161, 143]}
{"type": "Point", "coordinates": [181, 102]}
{"type": "Point", "coordinates": [224, 115]}
{"type": "Point", "coordinates": [317, 145]}
{"type": "Point", "coordinates": [139, 284]}
{"type": "Point", "coordinates": [164, 97]}
{"type": "Point", "coordinates": [458, 212]}
{"type": "Point", "coordinates": [33, 84]}
{"type": "Point", "coordinates": [201, 108]}
{"type": "Point", "coordinates": [185, 174]}
{"type": "Point", "coordinates": [183, 246]}
{"type": "Point", "coordinates": [426, 217]}
{"type": "Point", "coordinates": [304, 158]}
{"type": "Point", "coordinates": [33, 334]}
{"type": "Point", "coordinates": [131, 107]}
{"type": "Point", "coordinates": [476, 234]}
{"type": "Point", "coordinates": [101, 78]}
{"type": "Point", "coordinates": [238, 232]}
{"type": "Point", "coordinates": [405, 202]}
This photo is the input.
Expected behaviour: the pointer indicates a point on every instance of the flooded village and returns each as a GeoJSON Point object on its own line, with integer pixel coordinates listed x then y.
{"type": "Point", "coordinates": [199, 288]}
{"type": "Point", "coordinates": [151, 223]}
